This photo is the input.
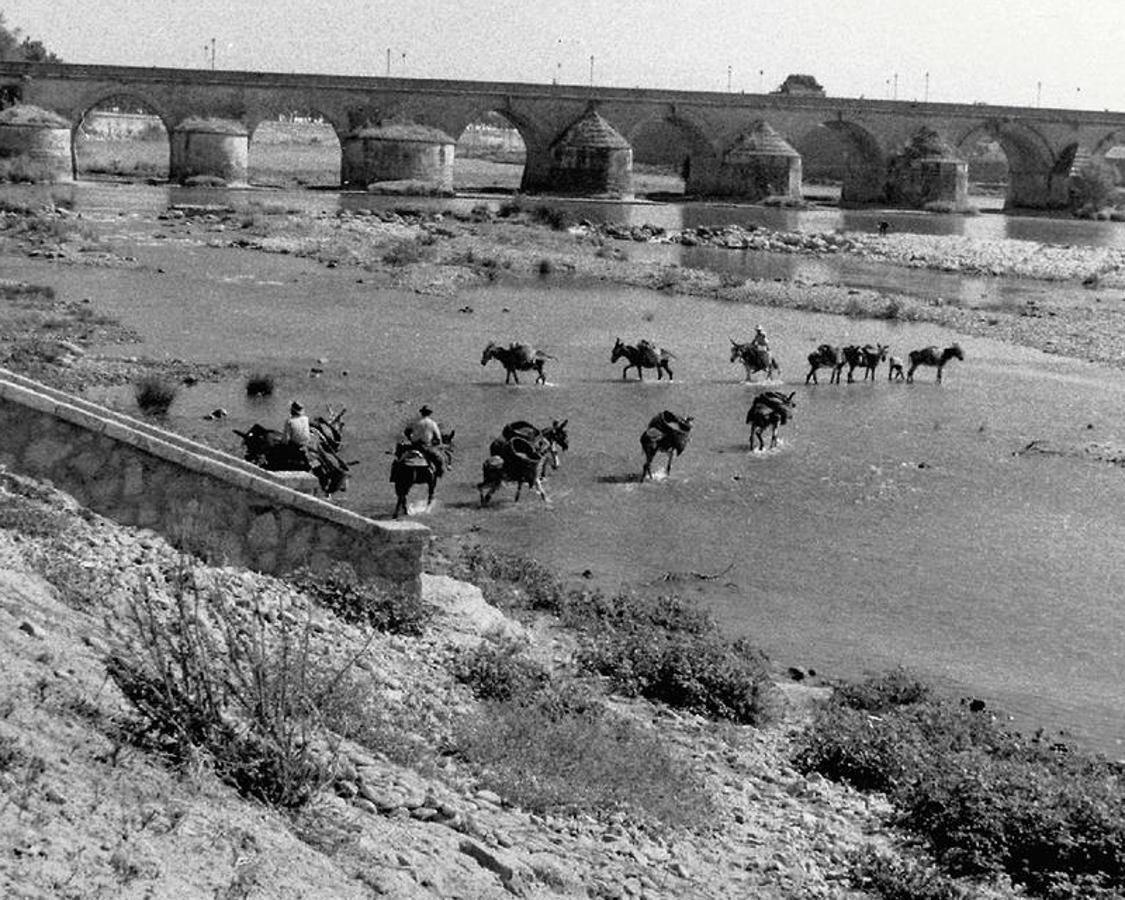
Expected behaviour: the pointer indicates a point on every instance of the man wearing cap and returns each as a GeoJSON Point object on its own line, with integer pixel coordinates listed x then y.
{"type": "Point", "coordinates": [424, 434]}
{"type": "Point", "coordinates": [760, 339]}
{"type": "Point", "coordinates": [296, 432]}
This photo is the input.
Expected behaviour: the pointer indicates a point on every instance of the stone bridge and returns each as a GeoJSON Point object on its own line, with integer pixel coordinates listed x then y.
{"type": "Point", "coordinates": [211, 115]}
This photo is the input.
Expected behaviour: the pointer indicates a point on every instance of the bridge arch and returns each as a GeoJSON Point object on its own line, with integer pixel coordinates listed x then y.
{"type": "Point", "coordinates": [673, 141]}
{"type": "Point", "coordinates": [298, 147]}
{"type": "Point", "coordinates": [1038, 176]}
{"type": "Point", "coordinates": [492, 148]}
{"type": "Point", "coordinates": [839, 150]}
{"type": "Point", "coordinates": [121, 131]}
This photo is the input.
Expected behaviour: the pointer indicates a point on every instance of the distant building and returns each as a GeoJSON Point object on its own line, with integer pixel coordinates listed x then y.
{"type": "Point", "coordinates": [800, 86]}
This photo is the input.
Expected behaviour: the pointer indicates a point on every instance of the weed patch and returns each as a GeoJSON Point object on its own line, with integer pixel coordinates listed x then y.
{"type": "Point", "coordinates": [353, 600]}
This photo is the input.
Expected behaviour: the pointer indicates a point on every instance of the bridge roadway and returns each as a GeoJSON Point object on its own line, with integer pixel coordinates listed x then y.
{"type": "Point", "coordinates": [1043, 146]}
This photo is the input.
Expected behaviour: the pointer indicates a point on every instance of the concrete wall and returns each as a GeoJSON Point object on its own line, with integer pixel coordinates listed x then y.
{"type": "Point", "coordinates": [196, 496]}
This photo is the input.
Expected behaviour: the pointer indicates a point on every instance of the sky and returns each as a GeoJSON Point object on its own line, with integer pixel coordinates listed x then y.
{"type": "Point", "coordinates": [1011, 52]}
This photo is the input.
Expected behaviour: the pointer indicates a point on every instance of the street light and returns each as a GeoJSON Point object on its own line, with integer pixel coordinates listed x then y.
{"type": "Point", "coordinates": [1038, 92]}
{"type": "Point", "coordinates": [927, 94]}
{"type": "Point", "coordinates": [591, 70]}
{"type": "Point", "coordinates": [728, 79]}
{"type": "Point", "coordinates": [761, 72]}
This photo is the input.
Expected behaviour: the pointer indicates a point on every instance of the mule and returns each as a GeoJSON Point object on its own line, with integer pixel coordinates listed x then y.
{"type": "Point", "coordinates": [754, 358]}
{"type": "Point", "coordinates": [643, 355]}
{"type": "Point", "coordinates": [825, 357]}
{"type": "Point", "coordinates": [411, 466]}
{"type": "Point", "coordinates": [521, 454]}
{"type": "Point", "coordinates": [866, 357]}
{"type": "Point", "coordinates": [931, 356]}
{"type": "Point", "coordinates": [517, 459]}
{"type": "Point", "coordinates": [894, 369]}
{"type": "Point", "coordinates": [770, 409]}
{"type": "Point", "coordinates": [516, 358]}
{"type": "Point", "coordinates": [666, 433]}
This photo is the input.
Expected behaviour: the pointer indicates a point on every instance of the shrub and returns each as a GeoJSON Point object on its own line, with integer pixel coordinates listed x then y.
{"type": "Point", "coordinates": [259, 385]}
{"type": "Point", "coordinates": [657, 646]}
{"type": "Point", "coordinates": [902, 878]}
{"type": "Point", "coordinates": [154, 395]}
{"type": "Point", "coordinates": [361, 603]}
{"type": "Point", "coordinates": [403, 252]}
{"type": "Point", "coordinates": [499, 670]}
{"type": "Point", "coordinates": [546, 267]}
{"type": "Point", "coordinates": [580, 761]}
{"type": "Point", "coordinates": [1093, 188]}
{"type": "Point", "coordinates": [703, 674]}
{"type": "Point", "coordinates": [551, 216]}
{"type": "Point", "coordinates": [878, 693]}
{"type": "Point", "coordinates": [206, 676]}
{"type": "Point", "coordinates": [986, 800]}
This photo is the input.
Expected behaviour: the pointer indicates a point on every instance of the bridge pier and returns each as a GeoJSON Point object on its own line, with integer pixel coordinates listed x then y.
{"type": "Point", "coordinates": [1038, 190]}
{"type": "Point", "coordinates": [757, 165]}
{"type": "Point", "coordinates": [590, 159]}
{"type": "Point", "coordinates": [35, 145]}
{"type": "Point", "coordinates": [400, 152]}
{"type": "Point", "coordinates": [209, 148]}
{"type": "Point", "coordinates": [927, 172]}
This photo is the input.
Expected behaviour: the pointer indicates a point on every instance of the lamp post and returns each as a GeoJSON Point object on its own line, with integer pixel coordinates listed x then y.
{"type": "Point", "coordinates": [896, 86]}
{"type": "Point", "coordinates": [388, 62]}
{"type": "Point", "coordinates": [927, 93]}
{"type": "Point", "coordinates": [1038, 92]}
{"type": "Point", "coordinates": [761, 72]}
{"type": "Point", "coordinates": [591, 70]}
{"type": "Point", "coordinates": [728, 79]}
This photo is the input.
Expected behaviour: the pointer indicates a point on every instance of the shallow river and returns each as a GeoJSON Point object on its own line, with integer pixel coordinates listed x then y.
{"type": "Point", "coordinates": [893, 525]}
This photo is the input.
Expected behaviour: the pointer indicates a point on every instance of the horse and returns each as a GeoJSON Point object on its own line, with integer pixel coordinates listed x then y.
{"type": "Point", "coordinates": [825, 356]}
{"type": "Point", "coordinates": [930, 356]}
{"type": "Point", "coordinates": [754, 358]}
{"type": "Point", "coordinates": [643, 355]}
{"type": "Point", "coordinates": [412, 466]}
{"type": "Point", "coordinates": [267, 448]}
{"type": "Point", "coordinates": [666, 433]}
{"type": "Point", "coordinates": [770, 409]}
{"type": "Point", "coordinates": [866, 357]}
{"type": "Point", "coordinates": [516, 358]}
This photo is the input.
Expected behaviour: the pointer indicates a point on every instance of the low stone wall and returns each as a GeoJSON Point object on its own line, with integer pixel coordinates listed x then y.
{"type": "Point", "coordinates": [198, 497]}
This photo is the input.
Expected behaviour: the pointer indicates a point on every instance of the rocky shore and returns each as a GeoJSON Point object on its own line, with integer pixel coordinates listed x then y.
{"type": "Point", "coordinates": [85, 815]}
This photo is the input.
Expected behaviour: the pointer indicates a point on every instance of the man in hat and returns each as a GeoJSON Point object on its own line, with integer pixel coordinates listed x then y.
{"type": "Point", "coordinates": [424, 434]}
{"type": "Point", "coordinates": [296, 432]}
{"type": "Point", "coordinates": [760, 339]}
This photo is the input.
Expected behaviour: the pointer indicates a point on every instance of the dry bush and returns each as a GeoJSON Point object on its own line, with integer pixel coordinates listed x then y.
{"type": "Point", "coordinates": [206, 674]}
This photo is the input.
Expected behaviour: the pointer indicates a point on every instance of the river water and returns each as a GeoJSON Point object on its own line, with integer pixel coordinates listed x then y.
{"type": "Point", "coordinates": [895, 523]}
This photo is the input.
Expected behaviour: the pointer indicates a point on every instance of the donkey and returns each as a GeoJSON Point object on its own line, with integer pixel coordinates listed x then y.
{"type": "Point", "coordinates": [644, 355]}
{"type": "Point", "coordinates": [516, 358]}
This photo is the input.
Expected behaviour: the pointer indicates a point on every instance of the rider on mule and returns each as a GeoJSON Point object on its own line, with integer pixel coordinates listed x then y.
{"type": "Point", "coordinates": [424, 435]}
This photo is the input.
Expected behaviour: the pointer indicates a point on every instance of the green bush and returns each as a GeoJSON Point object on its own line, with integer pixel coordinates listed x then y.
{"type": "Point", "coordinates": [259, 384]}
{"type": "Point", "coordinates": [361, 603]}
